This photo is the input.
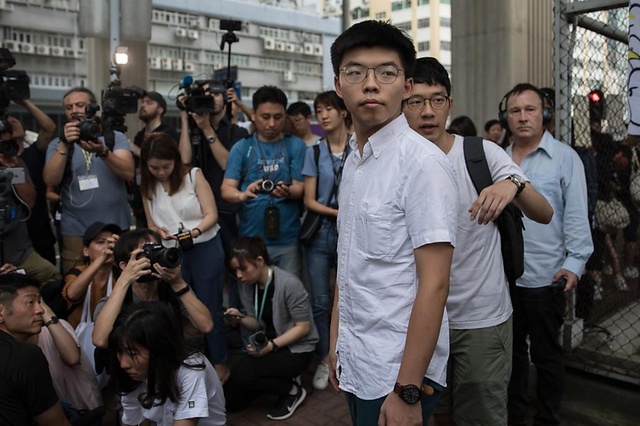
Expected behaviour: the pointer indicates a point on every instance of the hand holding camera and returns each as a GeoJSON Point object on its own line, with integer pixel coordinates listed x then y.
{"type": "Point", "coordinates": [257, 342]}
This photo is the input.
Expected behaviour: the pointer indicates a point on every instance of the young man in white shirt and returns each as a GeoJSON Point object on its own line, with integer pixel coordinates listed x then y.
{"type": "Point", "coordinates": [389, 334]}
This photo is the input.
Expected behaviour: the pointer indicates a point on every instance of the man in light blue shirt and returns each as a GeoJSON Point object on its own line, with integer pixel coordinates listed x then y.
{"type": "Point", "coordinates": [553, 253]}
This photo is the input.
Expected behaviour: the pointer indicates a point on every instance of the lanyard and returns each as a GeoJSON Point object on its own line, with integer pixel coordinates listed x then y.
{"type": "Point", "coordinates": [337, 174]}
{"type": "Point", "coordinates": [264, 295]}
{"type": "Point", "coordinates": [87, 159]}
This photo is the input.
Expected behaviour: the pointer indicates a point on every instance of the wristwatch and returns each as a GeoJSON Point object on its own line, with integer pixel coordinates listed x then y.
{"type": "Point", "coordinates": [52, 320]}
{"type": "Point", "coordinates": [409, 393]}
{"type": "Point", "coordinates": [212, 139]}
{"type": "Point", "coordinates": [519, 182]}
{"type": "Point", "coordinates": [274, 347]}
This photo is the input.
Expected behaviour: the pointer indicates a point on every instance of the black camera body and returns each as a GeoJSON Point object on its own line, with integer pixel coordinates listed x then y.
{"type": "Point", "coordinates": [121, 100]}
{"type": "Point", "coordinates": [9, 148]}
{"type": "Point", "coordinates": [88, 125]}
{"type": "Point", "coordinates": [14, 86]}
{"type": "Point", "coordinates": [168, 257]}
{"type": "Point", "coordinates": [185, 240]}
{"type": "Point", "coordinates": [258, 341]}
{"type": "Point", "coordinates": [198, 99]}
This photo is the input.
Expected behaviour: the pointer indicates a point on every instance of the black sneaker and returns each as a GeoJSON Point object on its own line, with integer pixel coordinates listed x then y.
{"type": "Point", "coordinates": [287, 406]}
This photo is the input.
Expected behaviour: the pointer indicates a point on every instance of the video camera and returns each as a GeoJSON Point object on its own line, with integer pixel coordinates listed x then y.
{"type": "Point", "coordinates": [197, 98]}
{"type": "Point", "coordinates": [118, 101]}
{"type": "Point", "coordinates": [8, 210]}
{"type": "Point", "coordinates": [14, 86]}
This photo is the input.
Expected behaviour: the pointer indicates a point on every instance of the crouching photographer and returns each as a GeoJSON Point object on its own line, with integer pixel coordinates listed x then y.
{"type": "Point", "coordinates": [284, 335]}
{"type": "Point", "coordinates": [149, 272]}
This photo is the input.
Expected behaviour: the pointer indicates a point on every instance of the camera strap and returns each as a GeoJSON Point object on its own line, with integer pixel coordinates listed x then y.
{"type": "Point", "coordinates": [264, 296]}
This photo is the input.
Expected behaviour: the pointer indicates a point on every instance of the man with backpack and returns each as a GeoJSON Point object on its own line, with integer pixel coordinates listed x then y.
{"type": "Point", "coordinates": [478, 305]}
{"type": "Point", "coordinates": [91, 173]}
{"type": "Point", "coordinates": [264, 175]}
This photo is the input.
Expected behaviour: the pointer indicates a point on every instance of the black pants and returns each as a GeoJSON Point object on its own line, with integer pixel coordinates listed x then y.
{"type": "Point", "coordinates": [538, 314]}
{"type": "Point", "coordinates": [270, 374]}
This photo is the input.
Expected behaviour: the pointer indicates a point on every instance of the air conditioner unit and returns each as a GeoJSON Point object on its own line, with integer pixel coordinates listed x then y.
{"type": "Point", "coordinates": [299, 49]}
{"type": "Point", "coordinates": [290, 47]}
{"type": "Point", "coordinates": [189, 66]}
{"type": "Point", "coordinates": [317, 49]}
{"type": "Point", "coordinates": [70, 53]}
{"type": "Point", "coordinates": [43, 50]}
{"type": "Point", "coordinates": [181, 32]}
{"type": "Point", "coordinates": [155, 63]}
{"type": "Point", "coordinates": [193, 34]}
{"type": "Point", "coordinates": [178, 64]}
{"type": "Point", "coordinates": [57, 51]}
{"type": "Point", "coordinates": [11, 45]}
{"type": "Point", "coordinates": [166, 64]}
{"type": "Point", "coordinates": [269, 43]}
{"type": "Point", "coordinates": [288, 75]}
{"type": "Point", "coordinates": [280, 45]}
{"type": "Point", "coordinates": [27, 48]}
{"type": "Point", "coordinates": [308, 48]}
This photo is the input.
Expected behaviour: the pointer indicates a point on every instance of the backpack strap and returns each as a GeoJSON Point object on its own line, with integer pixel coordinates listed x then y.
{"type": "Point", "coordinates": [476, 161]}
{"type": "Point", "coordinates": [246, 154]}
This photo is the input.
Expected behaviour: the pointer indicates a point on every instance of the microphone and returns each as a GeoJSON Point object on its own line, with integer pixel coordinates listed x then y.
{"type": "Point", "coordinates": [186, 82]}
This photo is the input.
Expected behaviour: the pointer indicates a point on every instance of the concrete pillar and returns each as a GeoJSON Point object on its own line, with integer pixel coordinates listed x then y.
{"type": "Point", "coordinates": [495, 45]}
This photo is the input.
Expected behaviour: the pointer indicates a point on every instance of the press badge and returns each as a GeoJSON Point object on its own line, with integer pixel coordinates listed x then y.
{"type": "Point", "coordinates": [88, 182]}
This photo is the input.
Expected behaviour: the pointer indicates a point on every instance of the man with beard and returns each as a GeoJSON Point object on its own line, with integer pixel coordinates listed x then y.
{"type": "Point", "coordinates": [152, 109]}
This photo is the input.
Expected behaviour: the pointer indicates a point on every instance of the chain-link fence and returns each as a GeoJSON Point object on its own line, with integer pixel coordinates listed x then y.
{"type": "Point", "coordinates": [602, 330]}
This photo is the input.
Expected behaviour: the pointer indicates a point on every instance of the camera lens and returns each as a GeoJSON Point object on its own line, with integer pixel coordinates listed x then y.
{"type": "Point", "coordinates": [268, 185]}
{"type": "Point", "coordinates": [172, 257]}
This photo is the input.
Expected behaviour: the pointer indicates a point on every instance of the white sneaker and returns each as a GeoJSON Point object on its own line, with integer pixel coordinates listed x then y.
{"type": "Point", "coordinates": [621, 283]}
{"type": "Point", "coordinates": [321, 376]}
{"type": "Point", "coordinates": [607, 270]}
{"type": "Point", "coordinates": [631, 272]}
{"type": "Point", "coordinates": [597, 292]}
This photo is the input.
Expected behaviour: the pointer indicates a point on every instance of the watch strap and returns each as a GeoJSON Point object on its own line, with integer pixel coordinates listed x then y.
{"type": "Point", "coordinates": [53, 320]}
{"type": "Point", "coordinates": [182, 291]}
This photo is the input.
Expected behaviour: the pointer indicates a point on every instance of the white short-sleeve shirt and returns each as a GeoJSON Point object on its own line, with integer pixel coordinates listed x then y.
{"type": "Point", "coordinates": [398, 196]}
{"type": "Point", "coordinates": [201, 397]}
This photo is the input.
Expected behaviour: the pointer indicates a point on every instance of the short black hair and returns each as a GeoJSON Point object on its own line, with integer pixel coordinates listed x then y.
{"type": "Point", "coordinates": [299, 108]}
{"type": "Point", "coordinates": [271, 94]}
{"type": "Point", "coordinates": [80, 89]}
{"type": "Point", "coordinates": [430, 71]}
{"type": "Point", "coordinates": [489, 124]}
{"type": "Point", "coordinates": [463, 126]}
{"type": "Point", "coordinates": [10, 284]}
{"type": "Point", "coordinates": [374, 33]}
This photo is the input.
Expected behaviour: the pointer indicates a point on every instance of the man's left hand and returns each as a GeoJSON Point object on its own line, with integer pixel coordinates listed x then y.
{"type": "Point", "coordinates": [95, 147]}
{"type": "Point", "coordinates": [396, 412]}
{"type": "Point", "coordinates": [572, 279]}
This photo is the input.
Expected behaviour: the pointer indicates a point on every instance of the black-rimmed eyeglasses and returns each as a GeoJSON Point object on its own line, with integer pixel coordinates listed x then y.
{"type": "Point", "coordinates": [384, 74]}
{"type": "Point", "coordinates": [417, 103]}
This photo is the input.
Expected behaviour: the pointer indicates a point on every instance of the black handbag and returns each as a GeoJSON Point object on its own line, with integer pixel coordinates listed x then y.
{"type": "Point", "coordinates": [310, 225]}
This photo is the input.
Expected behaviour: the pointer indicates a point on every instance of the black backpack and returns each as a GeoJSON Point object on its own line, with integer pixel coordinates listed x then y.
{"type": "Point", "coordinates": [510, 220]}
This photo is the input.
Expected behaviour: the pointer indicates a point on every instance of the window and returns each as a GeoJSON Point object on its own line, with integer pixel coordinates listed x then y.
{"type": "Point", "coordinates": [381, 15]}
{"type": "Point", "coordinates": [396, 5]}
{"type": "Point", "coordinates": [445, 22]}
{"type": "Point", "coordinates": [423, 2]}
{"type": "Point", "coordinates": [423, 46]}
{"type": "Point", "coordinates": [423, 23]}
{"type": "Point", "coordinates": [405, 26]}
{"type": "Point", "coordinates": [445, 45]}
{"type": "Point", "coordinates": [445, 1]}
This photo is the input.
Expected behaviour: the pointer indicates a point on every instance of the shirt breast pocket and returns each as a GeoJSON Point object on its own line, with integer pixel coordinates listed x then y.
{"type": "Point", "coordinates": [547, 185]}
{"type": "Point", "coordinates": [374, 235]}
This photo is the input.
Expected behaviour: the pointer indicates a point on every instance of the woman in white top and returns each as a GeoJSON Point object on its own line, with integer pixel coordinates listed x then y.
{"type": "Point", "coordinates": [179, 205]}
{"type": "Point", "coordinates": [158, 378]}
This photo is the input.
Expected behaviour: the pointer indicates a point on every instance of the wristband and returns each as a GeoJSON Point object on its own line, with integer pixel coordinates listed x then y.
{"type": "Point", "coordinates": [182, 291]}
{"type": "Point", "coordinates": [197, 229]}
{"type": "Point", "coordinates": [274, 346]}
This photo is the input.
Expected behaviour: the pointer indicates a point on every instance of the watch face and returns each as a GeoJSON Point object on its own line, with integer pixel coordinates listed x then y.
{"type": "Point", "coordinates": [410, 394]}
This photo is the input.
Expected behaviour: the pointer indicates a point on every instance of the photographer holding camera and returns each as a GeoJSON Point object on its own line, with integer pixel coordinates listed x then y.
{"type": "Point", "coordinates": [16, 201]}
{"type": "Point", "coordinates": [149, 272]}
{"type": "Point", "coordinates": [91, 166]}
{"type": "Point", "coordinates": [280, 316]}
{"type": "Point", "coordinates": [179, 205]}
{"type": "Point", "coordinates": [264, 176]}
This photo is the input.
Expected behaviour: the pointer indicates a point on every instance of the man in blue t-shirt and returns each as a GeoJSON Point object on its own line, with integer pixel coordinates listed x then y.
{"type": "Point", "coordinates": [264, 175]}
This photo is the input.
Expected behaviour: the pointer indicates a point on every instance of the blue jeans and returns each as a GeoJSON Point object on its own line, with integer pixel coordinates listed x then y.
{"type": "Point", "coordinates": [203, 269]}
{"type": "Point", "coordinates": [286, 257]}
{"type": "Point", "coordinates": [321, 256]}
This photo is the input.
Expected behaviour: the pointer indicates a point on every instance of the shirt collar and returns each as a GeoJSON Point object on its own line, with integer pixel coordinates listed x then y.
{"type": "Point", "coordinates": [383, 137]}
{"type": "Point", "coordinates": [546, 145]}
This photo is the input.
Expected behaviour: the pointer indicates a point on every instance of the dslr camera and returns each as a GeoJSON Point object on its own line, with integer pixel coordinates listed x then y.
{"type": "Point", "coordinates": [89, 125]}
{"type": "Point", "coordinates": [168, 257]}
{"type": "Point", "coordinates": [258, 341]}
{"type": "Point", "coordinates": [14, 86]}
